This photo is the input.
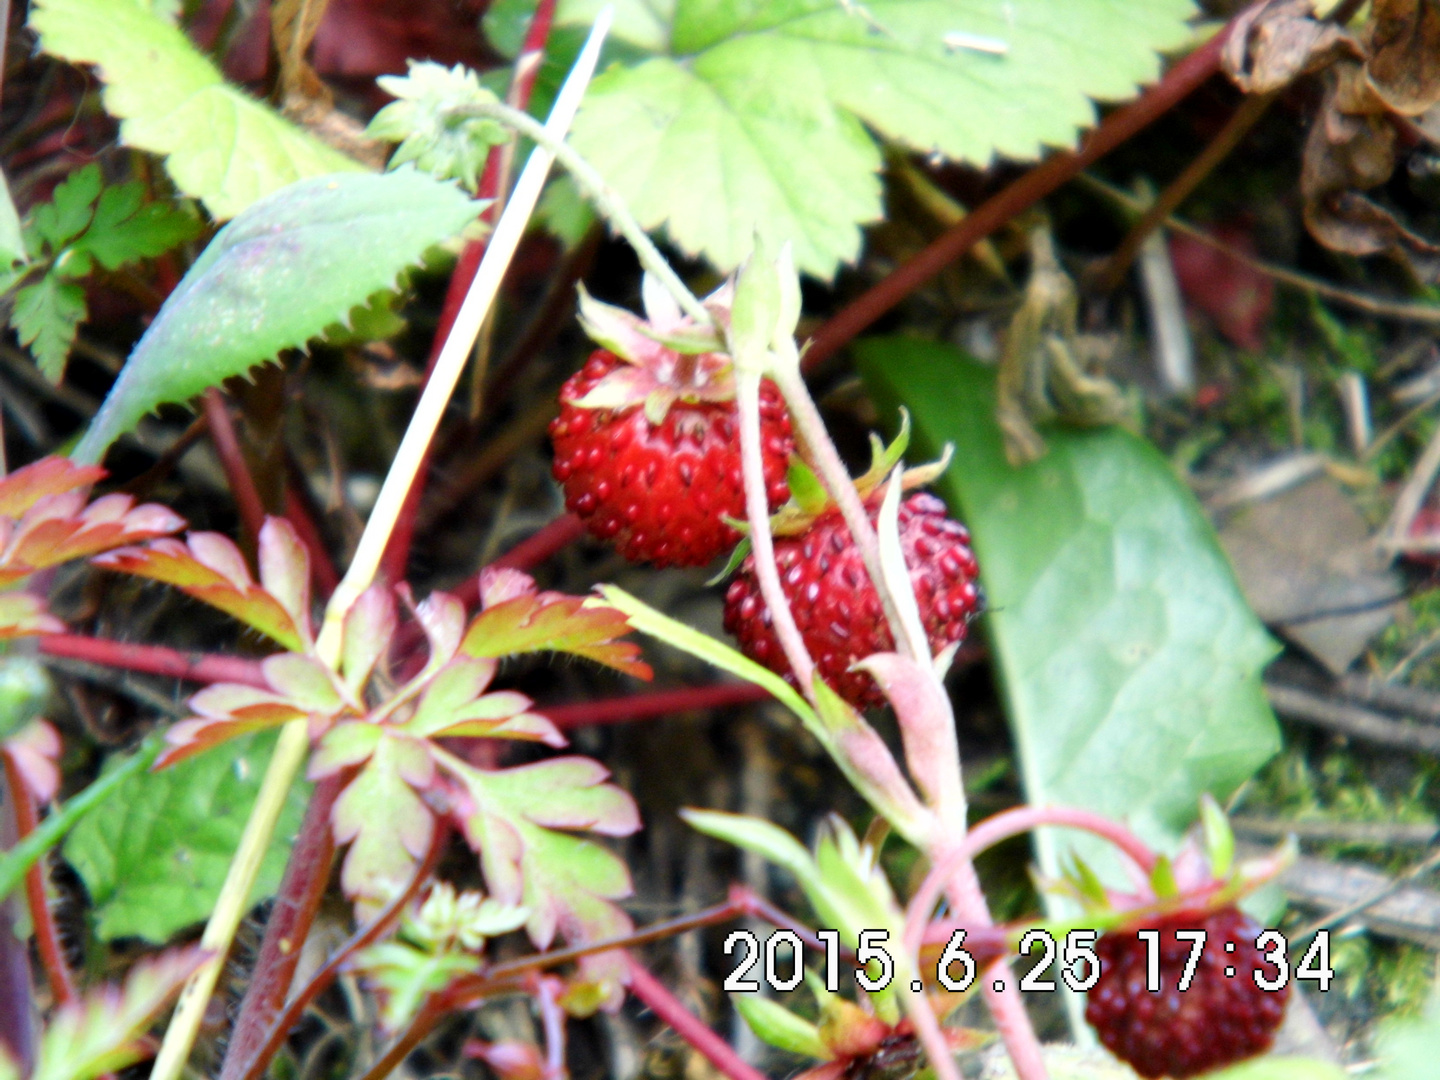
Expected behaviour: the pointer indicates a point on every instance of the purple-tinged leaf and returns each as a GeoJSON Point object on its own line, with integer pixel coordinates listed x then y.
{"type": "Point", "coordinates": [455, 704]}
{"type": "Point", "coordinates": [35, 750]}
{"type": "Point", "coordinates": [349, 742]}
{"type": "Point", "coordinates": [442, 617]}
{"type": "Point", "coordinates": [303, 682]}
{"type": "Point", "coordinates": [59, 527]}
{"type": "Point", "coordinates": [285, 570]}
{"type": "Point", "coordinates": [568, 883]}
{"type": "Point", "coordinates": [386, 824]}
{"type": "Point", "coordinates": [24, 487]}
{"type": "Point", "coordinates": [369, 626]}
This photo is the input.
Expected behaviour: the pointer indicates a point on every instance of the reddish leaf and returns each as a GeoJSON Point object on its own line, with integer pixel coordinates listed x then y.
{"type": "Point", "coordinates": [58, 528]}
{"type": "Point", "coordinates": [566, 882]}
{"type": "Point", "coordinates": [522, 620]}
{"type": "Point", "coordinates": [385, 822]}
{"type": "Point", "coordinates": [23, 488]}
{"type": "Point", "coordinates": [210, 567]}
{"type": "Point", "coordinates": [1237, 298]}
{"type": "Point", "coordinates": [35, 750]}
{"type": "Point", "coordinates": [23, 615]}
{"type": "Point", "coordinates": [455, 703]}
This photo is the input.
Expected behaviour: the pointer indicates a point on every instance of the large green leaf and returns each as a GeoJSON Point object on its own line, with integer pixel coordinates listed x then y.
{"type": "Point", "coordinates": [1131, 663]}
{"type": "Point", "coordinates": [755, 112]}
{"type": "Point", "coordinates": [276, 276]}
{"type": "Point", "coordinates": [220, 145]}
{"type": "Point", "coordinates": [154, 862]}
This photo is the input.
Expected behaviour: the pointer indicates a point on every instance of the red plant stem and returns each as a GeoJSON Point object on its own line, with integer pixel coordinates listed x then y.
{"type": "Point", "coordinates": [306, 875]}
{"type": "Point", "coordinates": [17, 1029]}
{"type": "Point", "coordinates": [232, 460]}
{"type": "Point", "coordinates": [552, 1018]}
{"type": "Point", "coordinates": [1003, 826]}
{"type": "Point", "coordinates": [1122, 124]}
{"type": "Point", "coordinates": [668, 1008]}
{"type": "Point", "coordinates": [47, 937]}
{"type": "Point", "coordinates": [323, 574]}
{"type": "Point", "coordinates": [652, 704]}
{"type": "Point", "coordinates": [492, 181]}
{"type": "Point", "coordinates": [266, 1029]}
{"type": "Point", "coordinates": [153, 659]}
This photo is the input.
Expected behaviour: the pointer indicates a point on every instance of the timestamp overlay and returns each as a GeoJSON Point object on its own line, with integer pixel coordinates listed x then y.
{"type": "Point", "coordinates": [779, 961]}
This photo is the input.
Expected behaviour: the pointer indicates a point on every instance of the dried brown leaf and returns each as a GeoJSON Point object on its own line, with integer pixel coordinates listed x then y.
{"type": "Point", "coordinates": [1404, 64]}
{"type": "Point", "coordinates": [1275, 43]}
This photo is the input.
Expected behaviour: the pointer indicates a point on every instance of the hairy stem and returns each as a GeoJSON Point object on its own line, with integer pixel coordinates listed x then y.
{"type": "Point", "coordinates": [611, 206]}
{"type": "Point", "coordinates": [232, 460]}
{"type": "Point", "coordinates": [291, 749]}
{"type": "Point", "coordinates": [757, 510]}
{"type": "Point", "coordinates": [687, 1025]}
{"type": "Point", "coordinates": [306, 875]}
{"type": "Point", "coordinates": [153, 659]}
{"type": "Point", "coordinates": [269, 1032]}
{"type": "Point", "coordinates": [47, 937]}
{"type": "Point", "coordinates": [494, 182]}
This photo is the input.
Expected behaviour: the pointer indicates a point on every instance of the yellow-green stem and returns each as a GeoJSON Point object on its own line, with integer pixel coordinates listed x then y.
{"type": "Point", "coordinates": [291, 749]}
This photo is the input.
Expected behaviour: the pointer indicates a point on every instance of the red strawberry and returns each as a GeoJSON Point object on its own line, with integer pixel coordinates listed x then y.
{"type": "Point", "coordinates": [647, 443]}
{"type": "Point", "coordinates": [836, 606]}
{"type": "Point", "coordinates": [1218, 1020]}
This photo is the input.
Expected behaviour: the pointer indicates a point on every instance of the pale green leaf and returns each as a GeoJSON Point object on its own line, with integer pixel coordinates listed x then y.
{"type": "Point", "coordinates": [221, 145]}
{"type": "Point", "coordinates": [47, 314]}
{"type": "Point", "coordinates": [275, 277]}
{"type": "Point", "coordinates": [1288, 1068]}
{"type": "Point", "coordinates": [663, 628]}
{"type": "Point", "coordinates": [154, 862]}
{"type": "Point", "coordinates": [1130, 661]}
{"type": "Point", "coordinates": [752, 112]}
{"type": "Point", "coordinates": [774, 1024]}
{"type": "Point", "coordinates": [1408, 1048]}
{"type": "Point", "coordinates": [12, 242]}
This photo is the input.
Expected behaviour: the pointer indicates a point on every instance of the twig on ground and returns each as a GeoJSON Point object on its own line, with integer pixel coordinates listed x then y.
{"type": "Point", "coordinates": [1351, 720]}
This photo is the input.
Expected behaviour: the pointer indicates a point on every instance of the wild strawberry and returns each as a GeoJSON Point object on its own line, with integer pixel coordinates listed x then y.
{"type": "Point", "coordinates": [835, 604]}
{"type": "Point", "coordinates": [647, 443]}
{"type": "Point", "coordinates": [1221, 1017]}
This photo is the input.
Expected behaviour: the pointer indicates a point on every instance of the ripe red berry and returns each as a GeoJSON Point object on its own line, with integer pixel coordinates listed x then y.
{"type": "Point", "coordinates": [835, 605]}
{"type": "Point", "coordinates": [658, 491]}
{"type": "Point", "coordinates": [1218, 1020]}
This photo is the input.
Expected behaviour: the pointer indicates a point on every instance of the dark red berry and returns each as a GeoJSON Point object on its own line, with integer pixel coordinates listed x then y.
{"type": "Point", "coordinates": [836, 607]}
{"type": "Point", "coordinates": [658, 491]}
{"type": "Point", "coordinates": [1221, 1018]}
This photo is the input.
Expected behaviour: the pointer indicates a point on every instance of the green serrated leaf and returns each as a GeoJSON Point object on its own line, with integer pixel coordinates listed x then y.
{"type": "Point", "coordinates": [1131, 663]}
{"type": "Point", "coordinates": [220, 145]}
{"type": "Point", "coordinates": [275, 277]}
{"type": "Point", "coordinates": [756, 113]}
{"type": "Point", "coordinates": [47, 314]}
{"type": "Point", "coordinates": [68, 212]}
{"type": "Point", "coordinates": [126, 229]}
{"type": "Point", "coordinates": [155, 862]}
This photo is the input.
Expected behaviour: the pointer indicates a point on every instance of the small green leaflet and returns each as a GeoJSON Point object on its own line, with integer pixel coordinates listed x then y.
{"type": "Point", "coordinates": [12, 244]}
{"type": "Point", "coordinates": [156, 863]}
{"type": "Point", "coordinates": [220, 145]}
{"type": "Point", "coordinates": [1131, 663]}
{"type": "Point", "coordinates": [761, 114]}
{"type": "Point", "coordinates": [47, 314]}
{"type": "Point", "coordinates": [84, 223]}
{"type": "Point", "coordinates": [278, 275]}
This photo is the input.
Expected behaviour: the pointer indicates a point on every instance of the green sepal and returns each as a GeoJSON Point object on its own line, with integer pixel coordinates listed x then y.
{"type": "Point", "coordinates": [1162, 879]}
{"type": "Point", "coordinates": [1219, 837]}
{"type": "Point", "coordinates": [776, 1025]}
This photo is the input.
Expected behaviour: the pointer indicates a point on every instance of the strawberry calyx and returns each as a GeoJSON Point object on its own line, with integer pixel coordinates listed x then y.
{"type": "Point", "coordinates": [667, 356]}
{"type": "Point", "coordinates": [809, 500]}
{"type": "Point", "coordinates": [1203, 876]}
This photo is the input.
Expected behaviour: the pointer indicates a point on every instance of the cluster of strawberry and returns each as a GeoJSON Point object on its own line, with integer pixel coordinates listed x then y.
{"type": "Point", "coordinates": [647, 449]}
